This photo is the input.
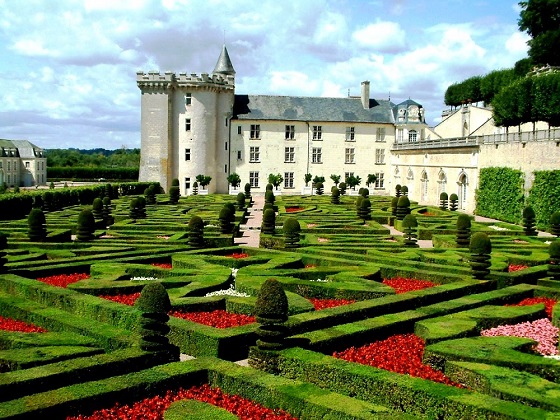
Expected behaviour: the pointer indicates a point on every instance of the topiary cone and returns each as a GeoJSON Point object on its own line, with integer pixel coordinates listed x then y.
{"type": "Point", "coordinates": [555, 223]}
{"type": "Point", "coordinates": [403, 207]}
{"type": "Point", "coordinates": [241, 201]}
{"type": "Point", "coordinates": [271, 312]}
{"type": "Point", "coordinates": [107, 211]}
{"type": "Point", "coordinates": [480, 248]}
{"type": "Point", "coordinates": [554, 263]}
{"type": "Point", "coordinates": [37, 225]}
{"type": "Point", "coordinates": [364, 212]}
{"type": "Point", "coordinates": [154, 304]}
{"type": "Point", "coordinates": [268, 225]}
{"type": "Point", "coordinates": [291, 229]}
{"type": "Point", "coordinates": [529, 221]}
{"type": "Point", "coordinates": [97, 208]}
{"type": "Point", "coordinates": [335, 195]}
{"type": "Point", "coordinates": [410, 225]}
{"type": "Point", "coordinates": [196, 232]}
{"type": "Point", "coordinates": [226, 218]}
{"type": "Point", "coordinates": [463, 230]}
{"type": "Point", "coordinates": [86, 225]}
{"type": "Point", "coordinates": [443, 201]}
{"type": "Point", "coordinates": [453, 202]}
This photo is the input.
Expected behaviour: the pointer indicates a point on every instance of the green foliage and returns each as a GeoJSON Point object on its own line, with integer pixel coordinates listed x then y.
{"type": "Point", "coordinates": [226, 217]}
{"type": "Point", "coordinates": [272, 303]}
{"type": "Point", "coordinates": [540, 18]}
{"type": "Point", "coordinates": [153, 299]}
{"type": "Point", "coordinates": [174, 194]}
{"type": "Point", "coordinates": [291, 230]}
{"type": "Point", "coordinates": [76, 173]}
{"type": "Point", "coordinates": [480, 243]}
{"type": "Point", "coordinates": [318, 179]}
{"type": "Point", "coordinates": [175, 182]}
{"type": "Point", "coordinates": [247, 190]}
{"type": "Point", "coordinates": [241, 201]}
{"type": "Point", "coordinates": [371, 179]}
{"type": "Point", "coordinates": [342, 188]}
{"type": "Point", "coordinates": [500, 194]}
{"type": "Point", "coordinates": [463, 221]}
{"type": "Point", "coordinates": [269, 197]}
{"type": "Point", "coordinates": [97, 208]}
{"type": "Point", "coordinates": [93, 158]}
{"type": "Point", "coordinates": [335, 178]}
{"type": "Point", "coordinates": [353, 181]}
{"type": "Point", "coordinates": [544, 196]}
{"type": "Point", "coordinates": [291, 225]}
{"type": "Point", "coordinates": [86, 225]}
{"type": "Point", "coordinates": [409, 221]}
{"type": "Point", "coordinates": [37, 225]}
{"type": "Point", "coordinates": [196, 232]}
{"type": "Point", "coordinates": [319, 188]}
{"type": "Point", "coordinates": [268, 222]}
{"type": "Point", "coordinates": [275, 179]}
{"type": "Point", "coordinates": [307, 177]}
{"type": "Point", "coordinates": [203, 180]}
{"type": "Point", "coordinates": [335, 195]}
{"type": "Point", "coordinates": [234, 179]}
{"type": "Point", "coordinates": [364, 211]}
{"type": "Point", "coordinates": [554, 249]}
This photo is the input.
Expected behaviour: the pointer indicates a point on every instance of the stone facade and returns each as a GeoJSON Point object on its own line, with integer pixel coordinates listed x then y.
{"type": "Point", "coordinates": [22, 164]}
{"type": "Point", "coordinates": [196, 124]}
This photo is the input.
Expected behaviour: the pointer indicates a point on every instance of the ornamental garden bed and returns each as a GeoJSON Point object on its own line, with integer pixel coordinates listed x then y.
{"type": "Point", "coordinates": [352, 290]}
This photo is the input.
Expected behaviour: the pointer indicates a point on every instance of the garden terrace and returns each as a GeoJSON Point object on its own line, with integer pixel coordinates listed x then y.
{"type": "Point", "coordinates": [351, 287]}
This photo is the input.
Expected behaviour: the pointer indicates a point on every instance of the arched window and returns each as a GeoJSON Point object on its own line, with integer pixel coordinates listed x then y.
{"type": "Point", "coordinates": [410, 174]}
{"type": "Point", "coordinates": [463, 190]}
{"type": "Point", "coordinates": [412, 136]}
{"type": "Point", "coordinates": [442, 181]}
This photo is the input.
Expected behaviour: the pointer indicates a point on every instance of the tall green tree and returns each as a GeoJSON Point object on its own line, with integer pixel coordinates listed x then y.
{"type": "Point", "coordinates": [541, 20]}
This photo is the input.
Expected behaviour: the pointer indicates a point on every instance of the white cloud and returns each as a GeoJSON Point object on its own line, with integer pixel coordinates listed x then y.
{"type": "Point", "coordinates": [295, 82]}
{"type": "Point", "coordinates": [517, 43]}
{"type": "Point", "coordinates": [381, 36]}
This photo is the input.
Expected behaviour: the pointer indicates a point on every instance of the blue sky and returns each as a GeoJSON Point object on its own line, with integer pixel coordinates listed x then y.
{"type": "Point", "coordinates": [68, 67]}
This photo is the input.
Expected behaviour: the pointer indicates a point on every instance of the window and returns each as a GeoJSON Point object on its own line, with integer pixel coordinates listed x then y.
{"type": "Point", "coordinates": [225, 168]}
{"type": "Point", "coordinates": [288, 180]}
{"type": "Point", "coordinates": [350, 134]}
{"type": "Point", "coordinates": [187, 124]}
{"type": "Point", "coordinates": [1, 164]}
{"type": "Point", "coordinates": [225, 145]}
{"type": "Point", "coordinates": [188, 99]}
{"type": "Point", "coordinates": [380, 181]}
{"type": "Point", "coordinates": [239, 130]}
{"type": "Point", "coordinates": [43, 165]}
{"type": "Point", "coordinates": [349, 155]}
{"type": "Point", "coordinates": [379, 156]}
{"type": "Point", "coordinates": [239, 155]}
{"type": "Point", "coordinates": [255, 131]}
{"type": "Point", "coordinates": [316, 155]}
{"type": "Point", "coordinates": [187, 183]}
{"type": "Point", "coordinates": [400, 135]}
{"type": "Point", "coordinates": [27, 165]}
{"type": "Point", "coordinates": [187, 154]}
{"type": "Point", "coordinates": [9, 165]}
{"type": "Point", "coordinates": [254, 154]}
{"type": "Point", "coordinates": [289, 154]}
{"type": "Point", "coordinates": [380, 134]}
{"type": "Point", "coordinates": [290, 132]}
{"type": "Point", "coordinates": [348, 175]}
{"type": "Point", "coordinates": [254, 179]}
{"type": "Point", "coordinates": [412, 136]}
{"type": "Point", "coordinates": [317, 132]}
{"type": "Point", "coordinates": [37, 165]}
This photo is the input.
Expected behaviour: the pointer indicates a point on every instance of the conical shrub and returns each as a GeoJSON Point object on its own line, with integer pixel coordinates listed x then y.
{"type": "Point", "coordinates": [37, 225]}
{"type": "Point", "coordinates": [141, 207]}
{"type": "Point", "coordinates": [291, 230]}
{"type": "Point", "coordinates": [241, 201]}
{"type": "Point", "coordinates": [398, 188]}
{"type": "Point", "coordinates": [335, 196]}
{"type": "Point", "coordinates": [453, 202]}
{"type": "Point", "coordinates": [133, 209]}
{"type": "Point", "coordinates": [554, 263]}
{"type": "Point", "coordinates": [226, 218]}
{"type": "Point", "coordinates": [86, 225]}
{"type": "Point", "coordinates": [529, 221]}
{"type": "Point", "coordinates": [342, 188]}
{"type": "Point", "coordinates": [97, 208]}
{"type": "Point", "coordinates": [107, 212]}
{"type": "Point", "coordinates": [403, 207]}
{"type": "Point", "coordinates": [271, 312]}
{"type": "Point", "coordinates": [174, 194]}
{"type": "Point", "coordinates": [555, 223]}
{"type": "Point", "coordinates": [247, 189]}
{"type": "Point", "coordinates": [150, 194]}
{"type": "Point", "coordinates": [196, 232]}
{"type": "Point", "coordinates": [319, 188]}
{"type": "Point", "coordinates": [154, 304]}
{"type": "Point", "coordinates": [463, 230]}
{"type": "Point", "coordinates": [404, 190]}
{"type": "Point", "coordinates": [269, 197]}
{"type": "Point", "coordinates": [268, 225]}
{"type": "Point", "coordinates": [443, 201]}
{"type": "Point", "coordinates": [394, 204]}
{"type": "Point", "coordinates": [364, 212]}
{"type": "Point", "coordinates": [410, 225]}
{"type": "Point", "coordinates": [480, 248]}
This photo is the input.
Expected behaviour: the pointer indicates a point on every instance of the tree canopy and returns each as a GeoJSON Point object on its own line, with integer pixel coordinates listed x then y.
{"type": "Point", "coordinates": [541, 20]}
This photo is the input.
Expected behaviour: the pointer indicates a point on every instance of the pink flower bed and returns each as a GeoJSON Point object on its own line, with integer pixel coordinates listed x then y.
{"type": "Point", "coordinates": [541, 330]}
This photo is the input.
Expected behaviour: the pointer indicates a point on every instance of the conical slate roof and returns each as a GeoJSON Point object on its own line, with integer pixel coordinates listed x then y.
{"type": "Point", "coordinates": [224, 66]}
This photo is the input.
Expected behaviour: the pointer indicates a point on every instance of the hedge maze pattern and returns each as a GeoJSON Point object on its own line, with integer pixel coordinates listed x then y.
{"type": "Point", "coordinates": [91, 353]}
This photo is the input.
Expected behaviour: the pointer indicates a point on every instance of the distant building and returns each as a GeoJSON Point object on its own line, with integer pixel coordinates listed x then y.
{"type": "Point", "coordinates": [195, 124]}
{"type": "Point", "coordinates": [22, 164]}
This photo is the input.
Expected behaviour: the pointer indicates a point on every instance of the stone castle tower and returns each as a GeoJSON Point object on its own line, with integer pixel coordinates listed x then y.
{"type": "Point", "coordinates": [185, 125]}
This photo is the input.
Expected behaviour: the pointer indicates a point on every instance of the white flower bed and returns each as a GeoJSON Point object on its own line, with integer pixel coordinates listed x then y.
{"type": "Point", "coordinates": [497, 227]}
{"type": "Point", "coordinates": [143, 278]}
{"type": "Point", "coordinates": [320, 281]}
{"type": "Point", "coordinates": [227, 292]}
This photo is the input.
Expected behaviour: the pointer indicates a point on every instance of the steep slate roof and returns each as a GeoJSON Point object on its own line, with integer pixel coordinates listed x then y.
{"type": "Point", "coordinates": [26, 149]}
{"type": "Point", "coordinates": [224, 65]}
{"type": "Point", "coordinates": [294, 108]}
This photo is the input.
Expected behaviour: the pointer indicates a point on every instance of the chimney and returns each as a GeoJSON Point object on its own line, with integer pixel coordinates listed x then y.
{"type": "Point", "coordinates": [365, 94]}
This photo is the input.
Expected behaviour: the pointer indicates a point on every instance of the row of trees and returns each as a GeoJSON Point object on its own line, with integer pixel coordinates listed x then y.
{"type": "Point", "coordinates": [94, 158]}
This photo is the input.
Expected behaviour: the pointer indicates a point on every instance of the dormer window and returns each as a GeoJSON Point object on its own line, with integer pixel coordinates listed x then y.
{"type": "Point", "coordinates": [412, 136]}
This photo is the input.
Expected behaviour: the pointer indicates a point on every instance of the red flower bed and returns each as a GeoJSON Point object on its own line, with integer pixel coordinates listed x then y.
{"type": "Point", "coordinates": [9, 324]}
{"type": "Point", "coordinates": [514, 267]}
{"type": "Point", "coordinates": [217, 319]}
{"type": "Point", "coordinates": [238, 255]}
{"type": "Point", "coordinates": [548, 303]}
{"type": "Point", "coordinates": [294, 209]}
{"type": "Point", "coordinates": [310, 266]}
{"type": "Point", "coordinates": [167, 266]}
{"type": "Point", "coordinates": [63, 280]}
{"type": "Point", "coordinates": [403, 285]}
{"type": "Point", "coordinates": [329, 303]}
{"type": "Point", "coordinates": [399, 353]}
{"type": "Point", "coordinates": [153, 408]}
{"type": "Point", "coordinates": [428, 214]}
{"type": "Point", "coordinates": [128, 299]}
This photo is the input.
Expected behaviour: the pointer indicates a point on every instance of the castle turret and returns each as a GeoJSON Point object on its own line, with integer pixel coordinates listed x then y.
{"type": "Point", "coordinates": [224, 65]}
